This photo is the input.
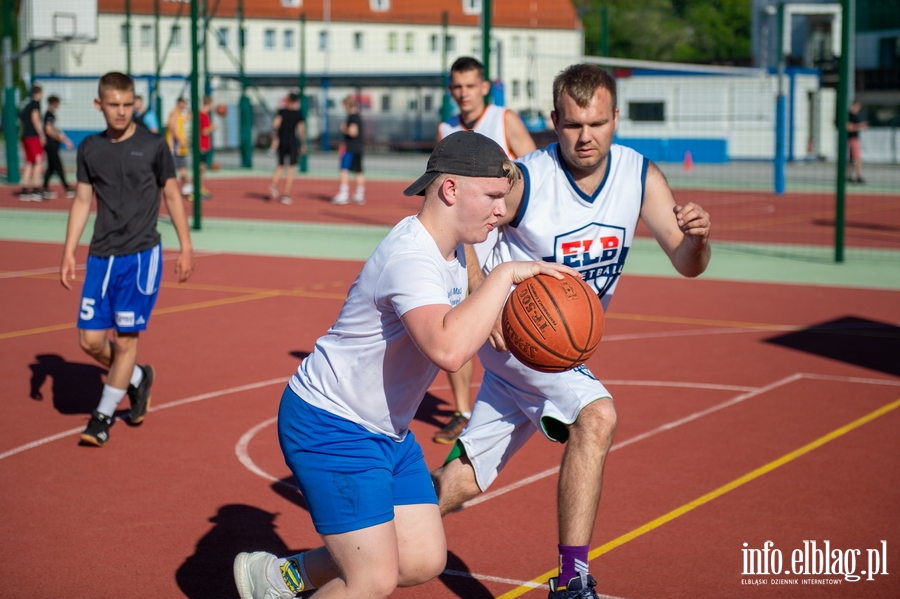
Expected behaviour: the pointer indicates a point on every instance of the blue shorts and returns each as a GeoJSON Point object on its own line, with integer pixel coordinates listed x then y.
{"type": "Point", "coordinates": [351, 478]}
{"type": "Point", "coordinates": [351, 161]}
{"type": "Point", "coordinates": [120, 291]}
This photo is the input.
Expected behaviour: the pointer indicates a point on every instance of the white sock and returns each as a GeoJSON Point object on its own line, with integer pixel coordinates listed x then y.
{"type": "Point", "coordinates": [467, 414]}
{"type": "Point", "coordinates": [110, 400]}
{"type": "Point", "coordinates": [137, 376]}
{"type": "Point", "coordinates": [360, 191]}
{"type": "Point", "coordinates": [342, 192]}
{"type": "Point", "coordinates": [296, 571]}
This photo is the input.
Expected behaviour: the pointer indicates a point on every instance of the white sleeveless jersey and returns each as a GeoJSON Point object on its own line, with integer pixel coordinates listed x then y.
{"type": "Point", "coordinates": [557, 222]}
{"type": "Point", "coordinates": [491, 124]}
{"type": "Point", "coordinates": [366, 368]}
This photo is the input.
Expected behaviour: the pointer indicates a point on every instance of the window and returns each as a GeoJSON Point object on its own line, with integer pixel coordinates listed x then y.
{"type": "Point", "coordinates": [516, 45]}
{"type": "Point", "coordinates": [146, 36]}
{"type": "Point", "coordinates": [471, 7]}
{"type": "Point", "coordinates": [450, 43]}
{"type": "Point", "coordinates": [243, 38]}
{"type": "Point", "coordinates": [290, 3]}
{"type": "Point", "coordinates": [434, 44]}
{"type": "Point", "coordinates": [476, 44]}
{"type": "Point", "coordinates": [358, 40]}
{"type": "Point", "coordinates": [323, 40]}
{"type": "Point", "coordinates": [288, 39]}
{"type": "Point", "coordinates": [380, 5]}
{"type": "Point", "coordinates": [386, 103]}
{"type": "Point", "coordinates": [529, 88]}
{"type": "Point", "coordinates": [516, 88]}
{"type": "Point", "coordinates": [531, 46]}
{"type": "Point", "coordinates": [414, 104]}
{"type": "Point", "coordinates": [392, 42]}
{"type": "Point", "coordinates": [176, 36]}
{"type": "Point", "coordinates": [123, 34]}
{"type": "Point", "coordinates": [410, 43]}
{"type": "Point", "coordinates": [646, 111]}
{"type": "Point", "coordinates": [269, 39]}
{"type": "Point", "coordinates": [222, 37]}
{"type": "Point", "coordinates": [429, 103]}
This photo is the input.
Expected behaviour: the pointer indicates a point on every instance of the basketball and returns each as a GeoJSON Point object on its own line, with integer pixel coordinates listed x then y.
{"type": "Point", "coordinates": [221, 109]}
{"type": "Point", "coordinates": [552, 325]}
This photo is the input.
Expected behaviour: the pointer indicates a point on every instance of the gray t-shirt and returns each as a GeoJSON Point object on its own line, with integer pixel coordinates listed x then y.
{"type": "Point", "coordinates": [127, 178]}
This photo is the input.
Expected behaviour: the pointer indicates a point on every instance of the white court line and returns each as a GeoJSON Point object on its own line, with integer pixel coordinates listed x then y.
{"type": "Point", "coordinates": [171, 404]}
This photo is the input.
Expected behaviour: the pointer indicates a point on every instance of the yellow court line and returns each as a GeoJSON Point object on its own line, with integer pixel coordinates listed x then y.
{"type": "Point", "coordinates": [654, 524]}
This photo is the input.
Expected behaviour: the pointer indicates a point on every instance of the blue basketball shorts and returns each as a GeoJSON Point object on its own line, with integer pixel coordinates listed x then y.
{"type": "Point", "coordinates": [351, 161]}
{"type": "Point", "coordinates": [120, 291]}
{"type": "Point", "coordinates": [351, 478]}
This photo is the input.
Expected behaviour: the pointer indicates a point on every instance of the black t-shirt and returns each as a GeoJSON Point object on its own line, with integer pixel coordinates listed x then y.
{"type": "Point", "coordinates": [855, 119]}
{"type": "Point", "coordinates": [287, 132]}
{"type": "Point", "coordinates": [28, 129]}
{"type": "Point", "coordinates": [127, 178]}
{"type": "Point", "coordinates": [354, 144]}
{"type": "Point", "coordinates": [52, 143]}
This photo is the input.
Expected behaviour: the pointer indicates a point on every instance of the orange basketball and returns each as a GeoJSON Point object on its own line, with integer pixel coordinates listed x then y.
{"type": "Point", "coordinates": [552, 325]}
{"type": "Point", "coordinates": [221, 109]}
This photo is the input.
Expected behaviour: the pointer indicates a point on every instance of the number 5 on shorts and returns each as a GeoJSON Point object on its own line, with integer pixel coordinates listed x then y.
{"type": "Point", "coordinates": [87, 308]}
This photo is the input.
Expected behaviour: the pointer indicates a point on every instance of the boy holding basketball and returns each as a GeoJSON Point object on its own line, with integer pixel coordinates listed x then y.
{"type": "Point", "coordinates": [344, 418]}
{"type": "Point", "coordinates": [126, 167]}
{"type": "Point", "coordinates": [578, 204]}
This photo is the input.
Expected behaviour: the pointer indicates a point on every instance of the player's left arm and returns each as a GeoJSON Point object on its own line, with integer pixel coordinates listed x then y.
{"type": "Point", "coordinates": [518, 138]}
{"type": "Point", "coordinates": [301, 136]}
{"type": "Point", "coordinates": [36, 121]}
{"type": "Point", "coordinates": [184, 265]}
{"type": "Point", "coordinates": [681, 231]}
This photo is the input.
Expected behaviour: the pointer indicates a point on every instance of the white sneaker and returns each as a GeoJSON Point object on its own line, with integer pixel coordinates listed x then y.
{"type": "Point", "coordinates": [250, 577]}
{"type": "Point", "coordinates": [286, 200]}
{"type": "Point", "coordinates": [187, 189]}
{"type": "Point", "coordinates": [341, 198]}
{"type": "Point", "coordinates": [48, 195]}
{"type": "Point", "coordinates": [359, 198]}
{"type": "Point", "coordinates": [70, 193]}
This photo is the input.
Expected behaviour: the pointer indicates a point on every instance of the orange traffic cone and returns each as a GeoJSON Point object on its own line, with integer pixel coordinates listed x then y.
{"type": "Point", "coordinates": [688, 161]}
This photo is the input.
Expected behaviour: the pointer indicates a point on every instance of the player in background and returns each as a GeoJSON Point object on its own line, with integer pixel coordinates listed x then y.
{"type": "Point", "coordinates": [344, 418]}
{"type": "Point", "coordinates": [856, 122]}
{"type": "Point", "coordinates": [33, 140]}
{"type": "Point", "coordinates": [176, 137]}
{"type": "Point", "coordinates": [55, 139]}
{"type": "Point", "coordinates": [352, 158]}
{"type": "Point", "coordinates": [469, 89]}
{"type": "Point", "coordinates": [289, 142]}
{"type": "Point", "coordinates": [125, 167]}
{"type": "Point", "coordinates": [206, 129]}
{"type": "Point", "coordinates": [577, 203]}
{"type": "Point", "coordinates": [145, 118]}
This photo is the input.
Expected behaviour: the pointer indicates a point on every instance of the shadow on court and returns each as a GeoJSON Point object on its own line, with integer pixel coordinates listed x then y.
{"type": "Point", "coordinates": [457, 578]}
{"type": "Point", "coordinates": [75, 387]}
{"type": "Point", "coordinates": [208, 572]}
{"type": "Point", "coordinates": [867, 343]}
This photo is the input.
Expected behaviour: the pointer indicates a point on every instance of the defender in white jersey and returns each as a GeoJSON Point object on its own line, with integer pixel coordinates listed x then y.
{"type": "Point", "coordinates": [577, 204]}
{"type": "Point", "coordinates": [344, 418]}
{"type": "Point", "coordinates": [469, 88]}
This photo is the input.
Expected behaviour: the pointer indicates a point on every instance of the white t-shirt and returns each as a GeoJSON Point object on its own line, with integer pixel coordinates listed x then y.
{"type": "Point", "coordinates": [367, 368]}
{"type": "Point", "coordinates": [558, 222]}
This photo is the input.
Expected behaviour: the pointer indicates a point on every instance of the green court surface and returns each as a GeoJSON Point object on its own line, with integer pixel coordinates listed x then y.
{"type": "Point", "coordinates": [735, 262]}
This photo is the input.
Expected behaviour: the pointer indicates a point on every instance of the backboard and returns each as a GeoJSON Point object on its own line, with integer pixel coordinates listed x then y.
{"type": "Point", "coordinates": [58, 20]}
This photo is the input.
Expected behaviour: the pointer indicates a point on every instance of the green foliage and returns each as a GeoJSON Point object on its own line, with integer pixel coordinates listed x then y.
{"type": "Point", "coordinates": [671, 30]}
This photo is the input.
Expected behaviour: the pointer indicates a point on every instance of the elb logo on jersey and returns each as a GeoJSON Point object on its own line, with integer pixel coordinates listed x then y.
{"type": "Point", "coordinates": [597, 251]}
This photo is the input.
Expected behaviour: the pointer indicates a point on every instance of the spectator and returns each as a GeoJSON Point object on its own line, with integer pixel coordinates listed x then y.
{"type": "Point", "coordinates": [855, 123]}
{"type": "Point", "coordinates": [206, 129]}
{"type": "Point", "coordinates": [351, 159]}
{"type": "Point", "coordinates": [176, 137]}
{"type": "Point", "coordinates": [289, 142]}
{"type": "Point", "coordinates": [55, 139]}
{"type": "Point", "coordinates": [33, 140]}
{"type": "Point", "coordinates": [145, 118]}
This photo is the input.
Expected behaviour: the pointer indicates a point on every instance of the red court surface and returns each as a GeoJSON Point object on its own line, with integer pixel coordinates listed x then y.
{"type": "Point", "coordinates": [747, 413]}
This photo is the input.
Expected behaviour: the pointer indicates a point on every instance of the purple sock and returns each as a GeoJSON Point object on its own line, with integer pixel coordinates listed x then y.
{"type": "Point", "coordinates": [573, 561]}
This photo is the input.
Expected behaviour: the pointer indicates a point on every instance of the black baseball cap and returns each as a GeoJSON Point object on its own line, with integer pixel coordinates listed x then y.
{"type": "Point", "coordinates": [463, 153]}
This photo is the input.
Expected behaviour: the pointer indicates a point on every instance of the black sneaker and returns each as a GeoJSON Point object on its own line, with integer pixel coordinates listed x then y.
{"type": "Point", "coordinates": [451, 430]}
{"type": "Point", "coordinates": [97, 431]}
{"type": "Point", "coordinates": [140, 395]}
{"type": "Point", "coordinates": [574, 590]}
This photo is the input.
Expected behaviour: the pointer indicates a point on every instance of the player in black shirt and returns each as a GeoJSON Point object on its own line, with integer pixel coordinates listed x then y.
{"type": "Point", "coordinates": [290, 142]}
{"type": "Point", "coordinates": [127, 168]}
{"type": "Point", "coordinates": [33, 140]}
{"type": "Point", "coordinates": [856, 122]}
{"type": "Point", "coordinates": [55, 139]}
{"type": "Point", "coordinates": [351, 160]}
